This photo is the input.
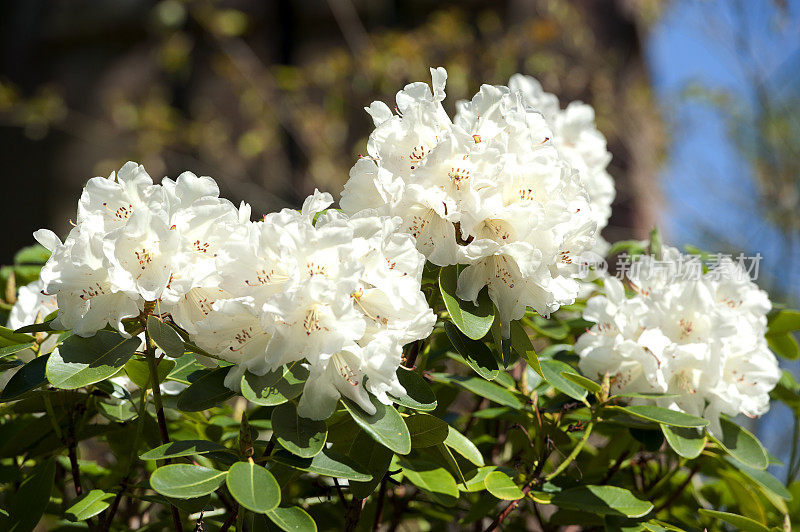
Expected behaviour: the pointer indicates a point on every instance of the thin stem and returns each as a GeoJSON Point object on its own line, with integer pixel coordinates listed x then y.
{"type": "Point", "coordinates": [511, 506]}
{"type": "Point", "coordinates": [229, 521]}
{"type": "Point", "coordinates": [666, 478]}
{"type": "Point", "coordinates": [574, 454]}
{"type": "Point", "coordinates": [150, 353]}
{"type": "Point", "coordinates": [381, 500]}
{"type": "Point", "coordinates": [677, 493]}
{"type": "Point", "coordinates": [791, 471]}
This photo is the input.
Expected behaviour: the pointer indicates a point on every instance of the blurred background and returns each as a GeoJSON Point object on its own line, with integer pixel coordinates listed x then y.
{"type": "Point", "coordinates": [699, 100]}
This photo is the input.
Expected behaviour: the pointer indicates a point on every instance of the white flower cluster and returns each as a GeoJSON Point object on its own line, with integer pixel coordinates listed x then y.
{"type": "Point", "coordinates": [698, 338]}
{"type": "Point", "coordinates": [490, 189]}
{"type": "Point", "coordinates": [339, 294]}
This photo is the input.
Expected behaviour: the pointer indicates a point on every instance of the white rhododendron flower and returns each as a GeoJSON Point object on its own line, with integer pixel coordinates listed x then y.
{"type": "Point", "coordinates": [577, 140]}
{"type": "Point", "coordinates": [699, 336]}
{"type": "Point", "coordinates": [488, 189]}
{"type": "Point", "coordinates": [339, 295]}
{"type": "Point", "coordinates": [136, 242]}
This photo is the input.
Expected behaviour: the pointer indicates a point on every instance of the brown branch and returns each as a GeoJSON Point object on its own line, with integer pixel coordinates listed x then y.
{"type": "Point", "coordinates": [229, 521]}
{"type": "Point", "coordinates": [381, 500]}
{"type": "Point", "coordinates": [677, 492]}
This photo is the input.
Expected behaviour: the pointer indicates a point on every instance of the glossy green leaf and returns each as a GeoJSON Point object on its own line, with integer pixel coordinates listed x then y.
{"type": "Point", "coordinates": [482, 387]}
{"type": "Point", "coordinates": [552, 371]}
{"type": "Point", "coordinates": [28, 377]}
{"type": "Point", "coordinates": [185, 481]}
{"type": "Point", "coordinates": [16, 348]}
{"type": "Point", "coordinates": [583, 382]}
{"type": "Point", "coordinates": [292, 519]}
{"type": "Point", "coordinates": [179, 448]}
{"type": "Point", "coordinates": [522, 344]}
{"type": "Point", "coordinates": [745, 524]}
{"type": "Point", "coordinates": [81, 361]}
{"type": "Point", "coordinates": [741, 444]}
{"type": "Point", "coordinates": [89, 505]}
{"type": "Point", "coordinates": [661, 415]}
{"type": "Point", "coordinates": [27, 505]}
{"type": "Point", "coordinates": [762, 478]}
{"type": "Point", "coordinates": [473, 320]}
{"type": "Point", "coordinates": [463, 446]}
{"type": "Point", "coordinates": [184, 367]}
{"type": "Point", "coordinates": [45, 326]}
{"type": "Point", "coordinates": [476, 354]}
{"type": "Point", "coordinates": [374, 458]}
{"type": "Point", "coordinates": [206, 392]}
{"type": "Point", "coordinates": [276, 387]}
{"type": "Point", "coordinates": [139, 371]}
{"type": "Point", "coordinates": [419, 395]}
{"type": "Point", "coordinates": [165, 337]}
{"type": "Point", "coordinates": [686, 441]}
{"type": "Point", "coordinates": [253, 487]}
{"type": "Point", "coordinates": [451, 462]}
{"type": "Point", "coordinates": [502, 486]}
{"type": "Point", "coordinates": [12, 337]}
{"type": "Point", "coordinates": [474, 480]}
{"type": "Point", "coordinates": [426, 430]}
{"type": "Point", "coordinates": [602, 500]}
{"type": "Point", "coordinates": [386, 425]}
{"type": "Point", "coordinates": [784, 321]}
{"type": "Point", "coordinates": [549, 328]}
{"type": "Point", "coordinates": [435, 480]}
{"type": "Point", "coordinates": [328, 463]}
{"type": "Point", "coordinates": [784, 345]}
{"type": "Point", "coordinates": [119, 411]}
{"type": "Point", "coordinates": [298, 435]}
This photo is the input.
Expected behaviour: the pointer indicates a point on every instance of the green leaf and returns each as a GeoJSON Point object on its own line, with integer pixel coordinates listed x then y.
{"type": "Point", "coordinates": [276, 387]}
{"type": "Point", "coordinates": [549, 328]}
{"type": "Point", "coordinates": [165, 337]}
{"type": "Point", "coordinates": [741, 444]}
{"type": "Point", "coordinates": [784, 345]}
{"type": "Point", "coordinates": [291, 519]}
{"type": "Point", "coordinates": [375, 459]}
{"type": "Point", "coordinates": [655, 243]}
{"type": "Point", "coordinates": [89, 505]}
{"type": "Point", "coordinates": [745, 524]}
{"type": "Point", "coordinates": [762, 478]}
{"type": "Point", "coordinates": [30, 376]}
{"type": "Point", "coordinates": [474, 321]}
{"type": "Point", "coordinates": [12, 337]}
{"type": "Point", "coordinates": [784, 321]}
{"type": "Point", "coordinates": [474, 481]}
{"type": "Point", "coordinates": [327, 462]}
{"type": "Point", "coordinates": [253, 487]}
{"type": "Point", "coordinates": [582, 381]}
{"type": "Point", "coordinates": [184, 481]}
{"type": "Point", "coordinates": [386, 425]}
{"type": "Point", "coordinates": [552, 370]}
{"type": "Point", "coordinates": [298, 435]}
{"type": "Point", "coordinates": [79, 362]}
{"type": "Point", "coordinates": [499, 484]}
{"type": "Point", "coordinates": [602, 500]}
{"type": "Point", "coordinates": [206, 392]}
{"type": "Point", "coordinates": [179, 448]}
{"type": "Point", "coordinates": [45, 326]}
{"type": "Point", "coordinates": [426, 430]}
{"type": "Point", "coordinates": [139, 371]}
{"type": "Point", "coordinates": [686, 441]}
{"type": "Point", "coordinates": [484, 388]}
{"type": "Point", "coordinates": [28, 504]}
{"type": "Point", "coordinates": [433, 479]}
{"type": "Point", "coordinates": [419, 395]}
{"type": "Point", "coordinates": [463, 446]}
{"type": "Point", "coordinates": [451, 462]}
{"type": "Point", "coordinates": [476, 354]}
{"type": "Point", "coordinates": [184, 367]}
{"type": "Point", "coordinates": [119, 411]}
{"type": "Point", "coordinates": [35, 254]}
{"type": "Point", "coordinates": [661, 415]}
{"type": "Point", "coordinates": [11, 349]}
{"type": "Point", "coordinates": [522, 344]}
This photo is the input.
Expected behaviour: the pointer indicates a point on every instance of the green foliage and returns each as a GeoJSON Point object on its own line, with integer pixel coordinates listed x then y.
{"type": "Point", "coordinates": [486, 424]}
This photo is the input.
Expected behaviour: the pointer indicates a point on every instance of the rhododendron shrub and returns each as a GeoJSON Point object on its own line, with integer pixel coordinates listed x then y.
{"type": "Point", "coordinates": [441, 353]}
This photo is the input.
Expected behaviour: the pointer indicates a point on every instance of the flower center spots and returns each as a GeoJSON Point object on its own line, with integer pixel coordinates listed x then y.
{"type": "Point", "coordinates": [497, 227]}
{"type": "Point", "coordinates": [732, 303]}
{"type": "Point", "coordinates": [201, 247]}
{"type": "Point", "coordinates": [264, 277]}
{"type": "Point", "coordinates": [122, 213]}
{"type": "Point", "coordinates": [316, 269]}
{"type": "Point", "coordinates": [242, 338]}
{"type": "Point", "coordinates": [684, 382]}
{"type": "Point", "coordinates": [417, 225]}
{"type": "Point", "coordinates": [312, 321]}
{"type": "Point", "coordinates": [457, 175]}
{"type": "Point", "coordinates": [687, 327]}
{"type": "Point", "coordinates": [526, 194]}
{"type": "Point", "coordinates": [501, 272]}
{"type": "Point", "coordinates": [92, 291]}
{"type": "Point", "coordinates": [565, 256]}
{"type": "Point", "coordinates": [377, 318]}
{"type": "Point", "coordinates": [344, 369]}
{"type": "Point", "coordinates": [144, 257]}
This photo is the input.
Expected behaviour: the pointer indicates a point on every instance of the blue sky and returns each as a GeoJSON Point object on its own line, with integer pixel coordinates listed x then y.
{"type": "Point", "coordinates": [706, 181]}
